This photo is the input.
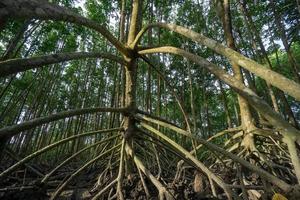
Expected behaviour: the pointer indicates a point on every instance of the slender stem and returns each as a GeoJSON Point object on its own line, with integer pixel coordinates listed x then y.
{"type": "Point", "coordinates": [47, 176]}
{"type": "Point", "coordinates": [121, 172]}
{"type": "Point", "coordinates": [104, 189]}
{"type": "Point", "coordinates": [144, 184]}
{"type": "Point", "coordinates": [47, 148]}
{"type": "Point", "coordinates": [163, 192]}
{"type": "Point", "coordinates": [60, 189]}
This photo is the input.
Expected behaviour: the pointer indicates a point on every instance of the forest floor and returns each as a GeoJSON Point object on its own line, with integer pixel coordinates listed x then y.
{"type": "Point", "coordinates": [24, 184]}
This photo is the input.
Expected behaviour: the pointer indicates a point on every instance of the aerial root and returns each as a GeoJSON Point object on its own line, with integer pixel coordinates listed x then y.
{"type": "Point", "coordinates": [164, 194]}
{"type": "Point", "coordinates": [47, 176]}
{"type": "Point", "coordinates": [118, 180]}
{"type": "Point", "coordinates": [200, 166]}
{"type": "Point", "coordinates": [76, 173]}
{"type": "Point", "coordinates": [154, 144]}
{"type": "Point", "coordinates": [144, 183]}
{"type": "Point", "coordinates": [261, 172]}
{"type": "Point", "coordinates": [98, 195]}
{"type": "Point", "coordinates": [121, 172]}
{"type": "Point", "coordinates": [51, 146]}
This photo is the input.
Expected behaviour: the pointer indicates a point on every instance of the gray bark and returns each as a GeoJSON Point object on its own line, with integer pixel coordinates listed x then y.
{"type": "Point", "coordinates": [22, 64]}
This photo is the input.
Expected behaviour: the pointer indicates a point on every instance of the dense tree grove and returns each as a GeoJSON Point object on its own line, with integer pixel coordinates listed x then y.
{"type": "Point", "coordinates": [150, 99]}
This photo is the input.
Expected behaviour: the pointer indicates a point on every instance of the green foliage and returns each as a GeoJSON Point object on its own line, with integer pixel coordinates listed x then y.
{"type": "Point", "coordinates": [94, 82]}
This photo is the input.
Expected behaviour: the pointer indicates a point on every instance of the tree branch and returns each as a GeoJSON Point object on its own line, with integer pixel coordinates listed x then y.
{"type": "Point", "coordinates": [164, 124]}
{"type": "Point", "coordinates": [155, 117]}
{"type": "Point", "coordinates": [15, 129]}
{"type": "Point", "coordinates": [163, 192]}
{"type": "Point", "coordinates": [22, 64]}
{"type": "Point", "coordinates": [260, 105]}
{"type": "Point", "coordinates": [41, 9]}
{"type": "Point", "coordinates": [274, 78]}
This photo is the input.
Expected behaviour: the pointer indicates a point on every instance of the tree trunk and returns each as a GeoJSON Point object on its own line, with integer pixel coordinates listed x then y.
{"type": "Point", "coordinates": [295, 66]}
{"type": "Point", "coordinates": [225, 104]}
{"type": "Point", "coordinates": [224, 11]}
{"type": "Point", "coordinates": [251, 26]}
{"type": "Point", "coordinates": [131, 70]}
{"type": "Point", "coordinates": [13, 44]}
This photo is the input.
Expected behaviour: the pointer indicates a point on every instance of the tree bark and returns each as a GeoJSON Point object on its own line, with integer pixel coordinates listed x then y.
{"type": "Point", "coordinates": [131, 70]}
{"type": "Point", "coordinates": [224, 11]}
{"type": "Point", "coordinates": [15, 129]}
{"type": "Point", "coordinates": [22, 64]}
{"type": "Point", "coordinates": [47, 11]}
{"type": "Point", "coordinates": [277, 80]}
{"type": "Point", "coordinates": [251, 26]}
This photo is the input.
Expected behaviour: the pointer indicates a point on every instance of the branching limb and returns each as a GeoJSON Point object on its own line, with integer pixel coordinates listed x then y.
{"type": "Point", "coordinates": [183, 132]}
{"type": "Point", "coordinates": [166, 146]}
{"type": "Point", "coordinates": [237, 159]}
{"type": "Point", "coordinates": [224, 132]}
{"type": "Point", "coordinates": [22, 64]}
{"type": "Point", "coordinates": [273, 179]}
{"type": "Point", "coordinates": [10, 131]}
{"type": "Point", "coordinates": [165, 124]}
{"type": "Point", "coordinates": [156, 117]}
{"type": "Point", "coordinates": [278, 146]}
{"type": "Point", "coordinates": [174, 127]}
{"type": "Point", "coordinates": [157, 159]}
{"type": "Point", "coordinates": [33, 155]}
{"type": "Point", "coordinates": [234, 137]}
{"type": "Point", "coordinates": [274, 78]}
{"type": "Point", "coordinates": [48, 11]}
{"type": "Point", "coordinates": [101, 180]}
